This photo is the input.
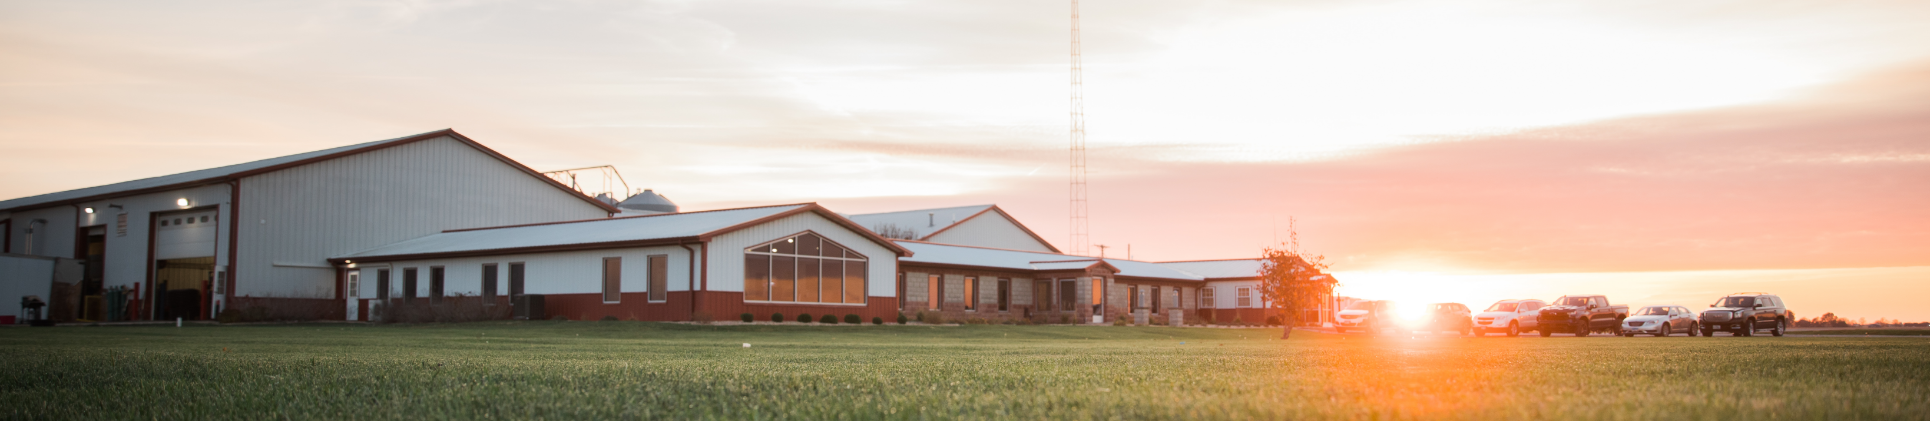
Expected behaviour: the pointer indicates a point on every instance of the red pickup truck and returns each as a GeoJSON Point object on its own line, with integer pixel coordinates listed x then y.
{"type": "Point", "coordinates": [1582, 314]}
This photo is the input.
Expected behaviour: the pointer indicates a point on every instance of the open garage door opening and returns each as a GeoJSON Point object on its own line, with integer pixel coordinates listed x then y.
{"type": "Point", "coordinates": [184, 264]}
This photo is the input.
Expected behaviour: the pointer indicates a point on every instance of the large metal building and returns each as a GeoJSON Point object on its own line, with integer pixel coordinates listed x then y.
{"type": "Point", "coordinates": [259, 234]}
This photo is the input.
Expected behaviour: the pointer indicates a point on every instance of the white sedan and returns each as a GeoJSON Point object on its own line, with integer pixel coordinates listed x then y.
{"type": "Point", "coordinates": [1661, 321]}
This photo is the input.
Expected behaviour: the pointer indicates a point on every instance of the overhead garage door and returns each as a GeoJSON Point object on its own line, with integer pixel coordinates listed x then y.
{"type": "Point", "coordinates": [184, 234]}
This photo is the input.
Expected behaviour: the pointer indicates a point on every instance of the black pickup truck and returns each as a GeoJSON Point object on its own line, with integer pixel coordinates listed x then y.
{"type": "Point", "coordinates": [1580, 315]}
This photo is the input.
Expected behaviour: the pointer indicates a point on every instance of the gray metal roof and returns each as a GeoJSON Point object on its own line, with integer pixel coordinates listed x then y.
{"type": "Point", "coordinates": [220, 174]}
{"type": "Point", "coordinates": [1218, 269]}
{"type": "Point", "coordinates": [186, 177]}
{"type": "Point", "coordinates": [1031, 260]}
{"type": "Point", "coordinates": [923, 221]}
{"type": "Point", "coordinates": [614, 230]}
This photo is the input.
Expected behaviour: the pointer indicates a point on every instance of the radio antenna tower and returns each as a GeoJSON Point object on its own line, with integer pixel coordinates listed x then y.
{"type": "Point", "coordinates": [1081, 231]}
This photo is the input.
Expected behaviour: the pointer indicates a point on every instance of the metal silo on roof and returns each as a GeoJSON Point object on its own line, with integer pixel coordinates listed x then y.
{"type": "Point", "coordinates": [648, 201]}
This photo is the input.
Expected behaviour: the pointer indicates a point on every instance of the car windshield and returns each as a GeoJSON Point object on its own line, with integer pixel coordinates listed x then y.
{"type": "Point", "coordinates": [1503, 306]}
{"type": "Point", "coordinates": [1572, 301]}
{"type": "Point", "coordinates": [1363, 305]}
{"type": "Point", "coordinates": [1654, 311]}
{"type": "Point", "coordinates": [1737, 302]}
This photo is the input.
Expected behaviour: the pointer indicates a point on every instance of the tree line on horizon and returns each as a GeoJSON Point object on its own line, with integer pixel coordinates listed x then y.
{"type": "Point", "coordinates": [1831, 320]}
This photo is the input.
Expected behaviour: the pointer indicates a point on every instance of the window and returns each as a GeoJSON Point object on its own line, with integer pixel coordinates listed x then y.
{"type": "Point", "coordinates": [435, 284]}
{"type": "Point", "coordinates": [659, 277]}
{"type": "Point", "coordinates": [1005, 294]}
{"type": "Point", "coordinates": [804, 268]}
{"type": "Point", "coordinates": [854, 281]}
{"type": "Point", "coordinates": [1042, 295]}
{"type": "Point", "coordinates": [1206, 298]}
{"type": "Point", "coordinates": [1156, 299]}
{"type": "Point", "coordinates": [971, 293]}
{"type": "Point", "coordinates": [1246, 297]}
{"type": "Point", "coordinates": [515, 282]}
{"type": "Point", "coordinates": [934, 291]}
{"type": "Point", "coordinates": [901, 291]}
{"type": "Point", "coordinates": [489, 284]}
{"type": "Point", "coordinates": [1132, 297]}
{"type": "Point", "coordinates": [1068, 294]}
{"type": "Point", "coordinates": [408, 285]}
{"type": "Point", "coordinates": [612, 279]}
{"type": "Point", "coordinates": [382, 284]}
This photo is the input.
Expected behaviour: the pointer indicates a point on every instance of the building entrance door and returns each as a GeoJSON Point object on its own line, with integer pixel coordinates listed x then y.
{"type": "Point", "coordinates": [351, 295]}
{"type": "Point", "coordinates": [184, 260]}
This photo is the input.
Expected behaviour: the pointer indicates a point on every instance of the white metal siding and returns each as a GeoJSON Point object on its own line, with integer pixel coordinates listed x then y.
{"type": "Point", "coordinates": [570, 272]}
{"type": "Point", "coordinates": [127, 253]}
{"type": "Point", "coordinates": [1226, 294]}
{"type": "Point", "coordinates": [990, 229]}
{"type": "Point", "coordinates": [55, 238]}
{"type": "Point", "coordinates": [727, 252]}
{"type": "Point", "coordinates": [294, 219]}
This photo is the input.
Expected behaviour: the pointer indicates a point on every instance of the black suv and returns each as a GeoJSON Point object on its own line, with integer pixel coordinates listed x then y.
{"type": "Point", "coordinates": [1743, 313]}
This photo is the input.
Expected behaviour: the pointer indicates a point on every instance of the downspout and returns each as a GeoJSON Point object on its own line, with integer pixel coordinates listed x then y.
{"type": "Point", "coordinates": [691, 270]}
{"type": "Point", "coordinates": [234, 236]}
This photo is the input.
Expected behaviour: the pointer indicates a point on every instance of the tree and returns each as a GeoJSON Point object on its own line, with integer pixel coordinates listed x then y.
{"type": "Point", "coordinates": [1291, 281]}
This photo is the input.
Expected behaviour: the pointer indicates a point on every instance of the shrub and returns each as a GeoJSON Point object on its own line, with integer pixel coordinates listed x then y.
{"type": "Point", "coordinates": [608, 319]}
{"type": "Point", "coordinates": [560, 318]}
{"type": "Point", "coordinates": [931, 318]}
{"type": "Point", "coordinates": [746, 317]}
{"type": "Point", "coordinates": [852, 319]}
{"type": "Point", "coordinates": [777, 317]}
{"type": "Point", "coordinates": [901, 318]}
{"type": "Point", "coordinates": [1237, 321]}
{"type": "Point", "coordinates": [702, 317]}
{"type": "Point", "coordinates": [881, 320]}
{"type": "Point", "coordinates": [804, 317]}
{"type": "Point", "coordinates": [1156, 321]}
{"type": "Point", "coordinates": [828, 319]}
{"type": "Point", "coordinates": [1119, 321]}
{"type": "Point", "coordinates": [1065, 319]}
{"type": "Point", "coordinates": [1273, 320]}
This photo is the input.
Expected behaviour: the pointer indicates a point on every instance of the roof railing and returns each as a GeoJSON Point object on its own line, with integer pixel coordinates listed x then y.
{"type": "Point", "coordinates": [1749, 293]}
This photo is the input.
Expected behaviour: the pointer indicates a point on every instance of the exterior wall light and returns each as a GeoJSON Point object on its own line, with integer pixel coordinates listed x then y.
{"type": "Point", "coordinates": [89, 209]}
{"type": "Point", "coordinates": [181, 202]}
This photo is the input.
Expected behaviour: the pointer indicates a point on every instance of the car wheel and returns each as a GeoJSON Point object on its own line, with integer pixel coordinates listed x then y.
{"type": "Point", "coordinates": [1779, 329]}
{"type": "Point", "coordinates": [1693, 330]}
{"type": "Point", "coordinates": [1663, 332]}
{"type": "Point", "coordinates": [1581, 329]}
{"type": "Point", "coordinates": [1545, 332]}
{"type": "Point", "coordinates": [1514, 329]}
{"type": "Point", "coordinates": [1748, 328]}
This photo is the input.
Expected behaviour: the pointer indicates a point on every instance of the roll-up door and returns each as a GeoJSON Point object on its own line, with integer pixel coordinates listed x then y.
{"type": "Point", "coordinates": [183, 235]}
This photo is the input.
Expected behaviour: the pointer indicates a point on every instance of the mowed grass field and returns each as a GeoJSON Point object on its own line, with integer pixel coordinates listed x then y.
{"type": "Point", "coordinates": [631, 370]}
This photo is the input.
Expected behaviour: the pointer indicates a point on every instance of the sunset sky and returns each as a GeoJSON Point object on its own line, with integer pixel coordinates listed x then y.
{"type": "Point", "coordinates": [1658, 152]}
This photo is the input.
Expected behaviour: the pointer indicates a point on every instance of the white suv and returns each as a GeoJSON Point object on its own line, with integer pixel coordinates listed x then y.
{"type": "Point", "coordinates": [1508, 316]}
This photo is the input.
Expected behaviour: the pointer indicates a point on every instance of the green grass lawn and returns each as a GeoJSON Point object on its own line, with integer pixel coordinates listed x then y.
{"type": "Point", "coordinates": [622, 370]}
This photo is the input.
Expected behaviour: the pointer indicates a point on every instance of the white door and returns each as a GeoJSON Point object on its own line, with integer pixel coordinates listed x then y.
{"type": "Point", "coordinates": [349, 293]}
{"type": "Point", "coordinates": [184, 235]}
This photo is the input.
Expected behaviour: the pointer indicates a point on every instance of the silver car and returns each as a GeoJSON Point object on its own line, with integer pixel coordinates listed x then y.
{"type": "Point", "coordinates": [1661, 321]}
